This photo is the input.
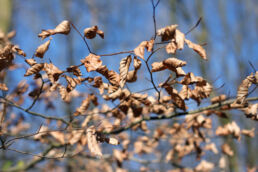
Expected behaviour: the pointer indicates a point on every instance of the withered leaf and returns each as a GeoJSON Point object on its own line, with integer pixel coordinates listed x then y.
{"type": "Point", "coordinates": [174, 63]}
{"type": "Point", "coordinates": [92, 62]}
{"type": "Point", "coordinates": [42, 49]}
{"type": "Point", "coordinates": [180, 39]}
{"type": "Point", "coordinates": [123, 69]}
{"type": "Point", "coordinates": [167, 33]}
{"type": "Point", "coordinates": [52, 71]}
{"type": "Point", "coordinates": [204, 166]}
{"type": "Point", "coordinates": [36, 68]}
{"type": "Point", "coordinates": [62, 28]}
{"type": "Point", "coordinates": [249, 133]}
{"type": "Point", "coordinates": [3, 87]}
{"type": "Point", "coordinates": [139, 50]}
{"type": "Point", "coordinates": [158, 66]}
{"type": "Point", "coordinates": [227, 149]}
{"type": "Point", "coordinates": [31, 62]}
{"type": "Point", "coordinates": [218, 99]}
{"type": "Point", "coordinates": [171, 48]}
{"type": "Point", "coordinates": [197, 48]}
{"type": "Point", "coordinates": [252, 111]}
{"type": "Point", "coordinates": [92, 141]}
{"type": "Point", "coordinates": [85, 104]}
{"type": "Point", "coordinates": [91, 32]}
{"type": "Point", "coordinates": [75, 70]}
{"type": "Point", "coordinates": [242, 91]}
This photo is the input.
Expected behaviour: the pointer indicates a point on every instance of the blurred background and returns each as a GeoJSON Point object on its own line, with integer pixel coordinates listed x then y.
{"type": "Point", "coordinates": [229, 30]}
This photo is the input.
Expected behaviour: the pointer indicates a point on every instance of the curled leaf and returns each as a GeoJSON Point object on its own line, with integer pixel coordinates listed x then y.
{"type": "Point", "coordinates": [197, 48]}
{"type": "Point", "coordinates": [36, 68]}
{"type": "Point", "coordinates": [62, 28]}
{"type": "Point", "coordinates": [42, 49]}
{"type": "Point", "coordinates": [92, 141]}
{"type": "Point", "coordinates": [174, 63]}
{"type": "Point", "coordinates": [139, 50]}
{"type": "Point", "coordinates": [180, 39]}
{"type": "Point", "coordinates": [92, 62]}
{"type": "Point", "coordinates": [158, 66]}
{"type": "Point", "coordinates": [31, 62]}
{"type": "Point", "coordinates": [52, 71]}
{"type": "Point", "coordinates": [91, 32]}
{"type": "Point", "coordinates": [171, 48]}
{"type": "Point", "coordinates": [124, 68]}
{"type": "Point", "coordinates": [242, 91]}
{"type": "Point", "coordinates": [167, 33]}
{"type": "Point", "coordinates": [3, 87]}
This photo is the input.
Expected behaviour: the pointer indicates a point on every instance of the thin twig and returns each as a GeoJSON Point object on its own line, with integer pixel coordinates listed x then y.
{"type": "Point", "coordinates": [154, 17]}
{"type": "Point", "coordinates": [112, 54]}
{"type": "Point", "coordinates": [33, 113]}
{"type": "Point", "coordinates": [81, 37]}
{"type": "Point", "coordinates": [197, 23]}
{"type": "Point", "coordinates": [177, 114]}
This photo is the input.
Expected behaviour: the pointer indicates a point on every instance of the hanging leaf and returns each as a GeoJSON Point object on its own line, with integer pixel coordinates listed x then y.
{"type": "Point", "coordinates": [92, 141]}
{"type": "Point", "coordinates": [197, 48]}
{"type": "Point", "coordinates": [31, 62]}
{"type": "Point", "coordinates": [167, 33]}
{"type": "Point", "coordinates": [171, 47]}
{"type": "Point", "coordinates": [123, 69]}
{"type": "Point", "coordinates": [242, 91]}
{"type": "Point", "coordinates": [226, 149]}
{"type": "Point", "coordinates": [85, 104]}
{"type": "Point", "coordinates": [52, 71]}
{"type": "Point", "coordinates": [92, 62]}
{"type": "Point", "coordinates": [139, 50]}
{"type": "Point", "coordinates": [62, 28]}
{"type": "Point", "coordinates": [36, 68]}
{"type": "Point", "coordinates": [180, 39]}
{"type": "Point", "coordinates": [3, 87]}
{"type": "Point", "coordinates": [158, 66]}
{"type": "Point", "coordinates": [42, 49]}
{"type": "Point", "coordinates": [75, 70]}
{"type": "Point", "coordinates": [91, 32]}
{"type": "Point", "coordinates": [173, 63]}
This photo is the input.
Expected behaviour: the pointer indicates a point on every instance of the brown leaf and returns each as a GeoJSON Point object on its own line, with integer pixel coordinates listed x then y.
{"type": "Point", "coordinates": [139, 50]}
{"type": "Point", "coordinates": [91, 32]}
{"type": "Point", "coordinates": [85, 104]}
{"type": "Point", "coordinates": [92, 141]}
{"type": "Point", "coordinates": [171, 47]}
{"type": "Point", "coordinates": [204, 166]}
{"type": "Point", "coordinates": [52, 71]}
{"type": "Point", "coordinates": [177, 100]}
{"type": "Point", "coordinates": [31, 62]}
{"type": "Point", "coordinates": [252, 111]}
{"type": "Point", "coordinates": [185, 92]}
{"type": "Point", "coordinates": [123, 69]}
{"type": "Point", "coordinates": [167, 33]}
{"type": "Point", "coordinates": [17, 50]}
{"type": "Point", "coordinates": [150, 45]}
{"type": "Point", "coordinates": [158, 66]}
{"type": "Point", "coordinates": [136, 63]}
{"type": "Point", "coordinates": [42, 49]}
{"type": "Point", "coordinates": [197, 48]}
{"type": "Point", "coordinates": [75, 70]}
{"type": "Point", "coordinates": [92, 62]}
{"type": "Point", "coordinates": [230, 128]}
{"type": "Point", "coordinates": [242, 91]}
{"type": "Point", "coordinates": [180, 39]}
{"type": "Point", "coordinates": [212, 147]}
{"type": "Point", "coordinates": [62, 28]}
{"type": "Point", "coordinates": [249, 133]}
{"type": "Point", "coordinates": [172, 63]}
{"type": "Point", "coordinates": [3, 87]}
{"type": "Point", "coordinates": [226, 149]}
{"type": "Point", "coordinates": [34, 69]}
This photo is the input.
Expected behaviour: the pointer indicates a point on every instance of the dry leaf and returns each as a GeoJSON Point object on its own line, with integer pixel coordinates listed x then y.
{"type": "Point", "coordinates": [92, 142]}
{"type": "Point", "coordinates": [75, 70]}
{"type": "Point", "coordinates": [242, 91]}
{"type": "Point", "coordinates": [171, 47]}
{"type": "Point", "coordinates": [123, 69]}
{"type": "Point", "coordinates": [227, 150]}
{"type": "Point", "coordinates": [85, 104]}
{"type": "Point", "coordinates": [158, 66]}
{"type": "Point", "coordinates": [92, 62]}
{"type": "Point", "coordinates": [204, 166]}
{"type": "Point", "coordinates": [62, 28]}
{"type": "Point", "coordinates": [180, 39]}
{"type": "Point", "coordinates": [31, 62]}
{"type": "Point", "coordinates": [172, 63]}
{"type": "Point", "coordinates": [36, 68]}
{"type": "Point", "coordinates": [3, 87]}
{"type": "Point", "coordinates": [52, 71]}
{"type": "Point", "coordinates": [139, 50]}
{"type": "Point", "coordinates": [167, 33]}
{"type": "Point", "coordinates": [197, 48]}
{"type": "Point", "coordinates": [42, 49]}
{"type": "Point", "coordinates": [91, 32]}
{"type": "Point", "coordinates": [150, 45]}
{"type": "Point", "coordinates": [249, 133]}
{"type": "Point", "coordinates": [252, 111]}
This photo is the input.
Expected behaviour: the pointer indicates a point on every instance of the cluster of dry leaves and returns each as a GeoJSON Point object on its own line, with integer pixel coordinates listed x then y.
{"type": "Point", "coordinates": [93, 121]}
